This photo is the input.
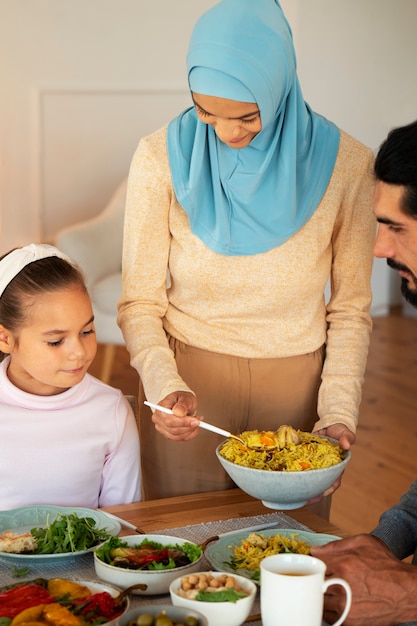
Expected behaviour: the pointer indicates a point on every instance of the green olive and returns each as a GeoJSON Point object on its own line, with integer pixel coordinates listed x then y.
{"type": "Point", "coordinates": [191, 621]}
{"type": "Point", "coordinates": [163, 620]}
{"type": "Point", "coordinates": [145, 620]}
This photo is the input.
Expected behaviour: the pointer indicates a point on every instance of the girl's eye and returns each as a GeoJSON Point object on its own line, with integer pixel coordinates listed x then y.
{"type": "Point", "coordinates": [91, 331]}
{"type": "Point", "coordinates": [54, 344]}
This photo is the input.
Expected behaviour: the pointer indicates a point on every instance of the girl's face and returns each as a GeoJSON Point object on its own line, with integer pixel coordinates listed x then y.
{"type": "Point", "coordinates": [235, 123]}
{"type": "Point", "coordinates": [53, 351]}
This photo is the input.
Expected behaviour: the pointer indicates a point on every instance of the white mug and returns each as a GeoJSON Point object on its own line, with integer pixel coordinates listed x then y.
{"type": "Point", "coordinates": [292, 590]}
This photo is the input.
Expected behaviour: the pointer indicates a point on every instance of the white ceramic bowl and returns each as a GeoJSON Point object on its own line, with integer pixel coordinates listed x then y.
{"type": "Point", "coordinates": [177, 613]}
{"type": "Point", "coordinates": [282, 490]}
{"type": "Point", "coordinates": [219, 613]}
{"type": "Point", "coordinates": [157, 581]}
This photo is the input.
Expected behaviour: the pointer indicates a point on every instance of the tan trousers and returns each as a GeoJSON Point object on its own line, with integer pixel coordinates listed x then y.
{"type": "Point", "coordinates": [233, 393]}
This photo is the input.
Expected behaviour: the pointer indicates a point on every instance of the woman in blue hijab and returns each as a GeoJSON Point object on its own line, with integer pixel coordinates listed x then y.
{"type": "Point", "coordinates": [250, 203]}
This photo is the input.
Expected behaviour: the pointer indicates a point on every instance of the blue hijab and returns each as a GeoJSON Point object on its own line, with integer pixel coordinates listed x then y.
{"type": "Point", "coordinates": [249, 200]}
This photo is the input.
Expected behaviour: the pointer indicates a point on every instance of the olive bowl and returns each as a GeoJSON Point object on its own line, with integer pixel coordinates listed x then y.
{"type": "Point", "coordinates": [176, 615]}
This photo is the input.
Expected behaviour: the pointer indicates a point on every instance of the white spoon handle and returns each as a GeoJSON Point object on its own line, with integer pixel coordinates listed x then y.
{"type": "Point", "coordinates": [213, 429]}
{"type": "Point", "coordinates": [158, 407]}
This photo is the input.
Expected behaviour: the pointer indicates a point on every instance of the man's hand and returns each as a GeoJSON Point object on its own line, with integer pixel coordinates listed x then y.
{"type": "Point", "coordinates": [383, 587]}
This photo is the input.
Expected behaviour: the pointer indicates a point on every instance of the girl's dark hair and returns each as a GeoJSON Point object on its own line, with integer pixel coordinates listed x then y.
{"type": "Point", "coordinates": [396, 164]}
{"type": "Point", "coordinates": [42, 276]}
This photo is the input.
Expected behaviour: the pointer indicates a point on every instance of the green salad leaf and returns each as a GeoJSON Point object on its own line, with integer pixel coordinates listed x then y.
{"type": "Point", "coordinates": [104, 552]}
{"type": "Point", "coordinates": [68, 533]}
{"type": "Point", "coordinates": [226, 595]}
{"type": "Point", "coordinates": [19, 572]}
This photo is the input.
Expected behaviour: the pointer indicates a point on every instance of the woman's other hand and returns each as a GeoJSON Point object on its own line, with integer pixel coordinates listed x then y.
{"type": "Point", "coordinates": [346, 439]}
{"type": "Point", "coordinates": [183, 425]}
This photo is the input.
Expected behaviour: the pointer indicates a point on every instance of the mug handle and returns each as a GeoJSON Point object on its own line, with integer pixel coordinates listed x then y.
{"type": "Point", "coordinates": [343, 583]}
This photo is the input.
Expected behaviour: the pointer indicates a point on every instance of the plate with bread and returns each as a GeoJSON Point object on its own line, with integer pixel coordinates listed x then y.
{"type": "Point", "coordinates": [40, 532]}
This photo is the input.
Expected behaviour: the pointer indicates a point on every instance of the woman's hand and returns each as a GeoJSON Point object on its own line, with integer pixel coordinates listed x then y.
{"type": "Point", "coordinates": [182, 426]}
{"type": "Point", "coordinates": [346, 439]}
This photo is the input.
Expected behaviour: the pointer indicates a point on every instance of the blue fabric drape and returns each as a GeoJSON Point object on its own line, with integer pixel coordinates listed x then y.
{"type": "Point", "coordinates": [249, 200]}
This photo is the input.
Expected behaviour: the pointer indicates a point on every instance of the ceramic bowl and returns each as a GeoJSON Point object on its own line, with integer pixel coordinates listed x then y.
{"type": "Point", "coordinates": [177, 613]}
{"type": "Point", "coordinates": [157, 581]}
{"type": "Point", "coordinates": [282, 490]}
{"type": "Point", "coordinates": [219, 613]}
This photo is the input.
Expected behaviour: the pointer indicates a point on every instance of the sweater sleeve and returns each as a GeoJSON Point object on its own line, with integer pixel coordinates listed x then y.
{"type": "Point", "coordinates": [146, 248]}
{"type": "Point", "coordinates": [121, 476]}
{"type": "Point", "coordinates": [398, 525]}
{"type": "Point", "coordinates": [348, 318]}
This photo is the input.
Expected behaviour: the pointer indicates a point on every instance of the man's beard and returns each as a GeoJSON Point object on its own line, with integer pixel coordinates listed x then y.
{"type": "Point", "coordinates": [409, 294]}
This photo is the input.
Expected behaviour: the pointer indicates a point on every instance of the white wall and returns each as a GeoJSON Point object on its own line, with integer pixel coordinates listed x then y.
{"type": "Point", "coordinates": [82, 80]}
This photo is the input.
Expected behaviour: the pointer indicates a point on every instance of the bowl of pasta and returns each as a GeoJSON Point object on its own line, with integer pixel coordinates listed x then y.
{"type": "Point", "coordinates": [298, 467]}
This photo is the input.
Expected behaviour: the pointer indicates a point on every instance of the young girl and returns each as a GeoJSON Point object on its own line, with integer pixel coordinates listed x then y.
{"type": "Point", "coordinates": [66, 438]}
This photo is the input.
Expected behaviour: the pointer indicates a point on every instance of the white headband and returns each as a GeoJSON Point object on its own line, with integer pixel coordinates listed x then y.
{"type": "Point", "coordinates": [15, 261]}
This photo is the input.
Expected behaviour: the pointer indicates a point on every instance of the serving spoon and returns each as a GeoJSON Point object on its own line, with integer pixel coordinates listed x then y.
{"type": "Point", "coordinates": [213, 429]}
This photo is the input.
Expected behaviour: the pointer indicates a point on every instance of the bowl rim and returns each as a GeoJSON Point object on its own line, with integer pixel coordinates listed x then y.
{"type": "Point", "coordinates": [246, 582]}
{"type": "Point", "coordinates": [140, 538]}
{"type": "Point", "coordinates": [129, 615]}
{"type": "Point", "coordinates": [285, 472]}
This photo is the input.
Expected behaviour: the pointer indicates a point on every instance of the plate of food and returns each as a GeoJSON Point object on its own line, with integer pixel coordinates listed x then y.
{"type": "Point", "coordinates": [241, 553]}
{"type": "Point", "coordinates": [36, 533]}
{"type": "Point", "coordinates": [58, 601]}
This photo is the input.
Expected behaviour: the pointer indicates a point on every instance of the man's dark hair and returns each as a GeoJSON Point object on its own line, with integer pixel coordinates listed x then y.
{"type": "Point", "coordinates": [396, 164]}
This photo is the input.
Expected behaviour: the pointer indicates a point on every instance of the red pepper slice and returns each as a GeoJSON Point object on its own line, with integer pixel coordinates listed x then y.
{"type": "Point", "coordinates": [97, 605]}
{"type": "Point", "coordinates": [141, 556]}
{"type": "Point", "coordinates": [15, 600]}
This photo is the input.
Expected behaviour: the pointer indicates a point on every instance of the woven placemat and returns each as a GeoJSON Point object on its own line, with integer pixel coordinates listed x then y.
{"type": "Point", "coordinates": [82, 567]}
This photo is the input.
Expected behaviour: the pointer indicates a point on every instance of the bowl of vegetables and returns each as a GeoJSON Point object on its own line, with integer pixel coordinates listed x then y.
{"type": "Point", "coordinates": [162, 615]}
{"type": "Point", "coordinates": [152, 561]}
{"type": "Point", "coordinates": [224, 599]}
{"type": "Point", "coordinates": [59, 601]}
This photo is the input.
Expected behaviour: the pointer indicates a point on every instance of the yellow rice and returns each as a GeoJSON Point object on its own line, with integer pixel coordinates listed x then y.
{"type": "Point", "coordinates": [311, 452]}
{"type": "Point", "coordinates": [249, 554]}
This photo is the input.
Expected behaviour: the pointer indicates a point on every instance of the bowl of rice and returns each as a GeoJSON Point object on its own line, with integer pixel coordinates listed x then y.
{"type": "Point", "coordinates": [301, 467]}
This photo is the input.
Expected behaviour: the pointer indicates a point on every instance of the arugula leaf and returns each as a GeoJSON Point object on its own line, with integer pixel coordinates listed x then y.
{"type": "Point", "coordinates": [19, 572]}
{"type": "Point", "coordinates": [226, 595]}
{"type": "Point", "coordinates": [192, 550]}
{"type": "Point", "coordinates": [68, 533]}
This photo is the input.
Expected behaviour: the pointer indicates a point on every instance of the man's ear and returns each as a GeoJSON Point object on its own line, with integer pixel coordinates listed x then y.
{"type": "Point", "coordinates": [7, 341]}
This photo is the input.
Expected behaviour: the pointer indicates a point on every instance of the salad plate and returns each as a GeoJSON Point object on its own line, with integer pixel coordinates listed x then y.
{"type": "Point", "coordinates": [22, 520]}
{"type": "Point", "coordinates": [220, 553]}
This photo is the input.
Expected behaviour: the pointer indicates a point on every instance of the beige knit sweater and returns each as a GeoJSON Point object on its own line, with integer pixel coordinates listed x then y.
{"type": "Point", "coordinates": [264, 305]}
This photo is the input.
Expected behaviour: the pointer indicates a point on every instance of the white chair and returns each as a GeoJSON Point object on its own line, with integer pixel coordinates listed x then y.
{"type": "Point", "coordinates": [96, 245]}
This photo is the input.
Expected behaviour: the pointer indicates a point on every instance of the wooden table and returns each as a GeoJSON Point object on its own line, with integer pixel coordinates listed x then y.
{"type": "Point", "coordinates": [208, 507]}
{"type": "Point", "coordinates": [188, 513]}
